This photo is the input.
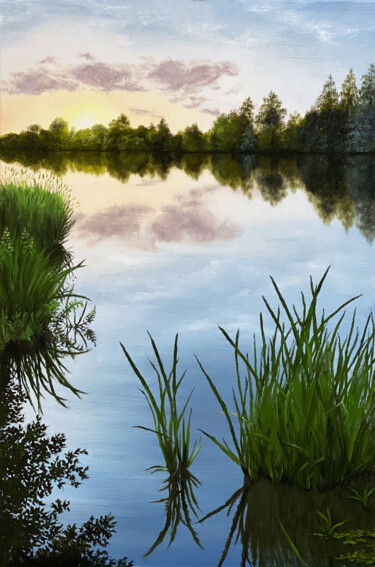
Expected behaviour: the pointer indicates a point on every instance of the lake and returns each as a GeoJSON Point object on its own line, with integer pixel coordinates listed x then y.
{"type": "Point", "coordinates": [183, 247]}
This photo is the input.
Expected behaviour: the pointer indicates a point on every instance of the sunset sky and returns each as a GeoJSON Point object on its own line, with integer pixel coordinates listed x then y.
{"type": "Point", "coordinates": [89, 60]}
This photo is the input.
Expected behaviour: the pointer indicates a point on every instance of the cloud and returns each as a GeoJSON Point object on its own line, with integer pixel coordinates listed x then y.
{"type": "Point", "coordinates": [214, 112]}
{"type": "Point", "coordinates": [176, 75]}
{"type": "Point", "coordinates": [183, 79]}
{"type": "Point", "coordinates": [48, 59]}
{"type": "Point", "coordinates": [88, 56]}
{"type": "Point", "coordinates": [99, 76]}
{"type": "Point", "coordinates": [192, 222]}
{"type": "Point", "coordinates": [144, 111]}
{"type": "Point", "coordinates": [38, 81]}
{"type": "Point", "coordinates": [105, 77]}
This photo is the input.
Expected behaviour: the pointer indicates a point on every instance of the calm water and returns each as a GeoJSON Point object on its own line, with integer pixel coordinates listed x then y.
{"type": "Point", "coordinates": [184, 248]}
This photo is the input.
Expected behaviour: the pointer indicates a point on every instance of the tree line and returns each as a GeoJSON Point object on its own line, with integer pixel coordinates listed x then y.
{"type": "Point", "coordinates": [339, 121]}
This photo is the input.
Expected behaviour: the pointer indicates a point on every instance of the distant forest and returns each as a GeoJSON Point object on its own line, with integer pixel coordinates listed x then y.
{"type": "Point", "coordinates": [340, 121]}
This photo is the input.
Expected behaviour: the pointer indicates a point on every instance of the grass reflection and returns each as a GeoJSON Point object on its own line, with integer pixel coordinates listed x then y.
{"type": "Point", "coordinates": [258, 508]}
{"type": "Point", "coordinates": [173, 432]}
{"type": "Point", "coordinates": [180, 507]}
{"type": "Point", "coordinates": [42, 320]}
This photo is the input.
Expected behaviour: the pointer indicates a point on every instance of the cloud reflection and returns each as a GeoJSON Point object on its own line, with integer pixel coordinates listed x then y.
{"type": "Point", "coordinates": [189, 219]}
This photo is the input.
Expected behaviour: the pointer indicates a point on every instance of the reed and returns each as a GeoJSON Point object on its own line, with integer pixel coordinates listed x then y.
{"type": "Point", "coordinates": [304, 411]}
{"type": "Point", "coordinates": [172, 429]}
{"type": "Point", "coordinates": [42, 320]}
{"type": "Point", "coordinates": [41, 205]}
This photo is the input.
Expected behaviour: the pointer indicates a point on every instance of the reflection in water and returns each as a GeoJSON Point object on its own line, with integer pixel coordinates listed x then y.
{"type": "Point", "coordinates": [180, 505]}
{"type": "Point", "coordinates": [341, 187]}
{"type": "Point", "coordinates": [32, 466]}
{"type": "Point", "coordinates": [258, 508]}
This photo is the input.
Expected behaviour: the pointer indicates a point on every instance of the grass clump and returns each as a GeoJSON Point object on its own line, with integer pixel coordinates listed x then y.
{"type": "Point", "coordinates": [304, 411]}
{"type": "Point", "coordinates": [171, 427]}
{"type": "Point", "coordinates": [42, 320]}
{"type": "Point", "coordinates": [173, 431]}
{"type": "Point", "coordinates": [40, 205]}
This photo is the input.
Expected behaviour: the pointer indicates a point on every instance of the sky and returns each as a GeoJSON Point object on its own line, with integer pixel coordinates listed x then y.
{"type": "Point", "coordinates": [188, 61]}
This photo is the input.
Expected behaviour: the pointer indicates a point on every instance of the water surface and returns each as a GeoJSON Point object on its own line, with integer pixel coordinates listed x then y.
{"type": "Point", "coordinates": [182, 247]}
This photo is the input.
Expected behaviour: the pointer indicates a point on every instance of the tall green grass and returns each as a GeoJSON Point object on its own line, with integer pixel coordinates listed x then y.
{"type": "Point", "coordinates": [41, 205]}
{"type": "Point", "coordinates": [172, 429]}
{"type": "Point", "coordinates": [304, 410]}
{"type": "Point", "coordinates": [42, 320]}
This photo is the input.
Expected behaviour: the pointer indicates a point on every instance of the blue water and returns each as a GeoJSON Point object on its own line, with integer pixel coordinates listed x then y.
{"type": "Point", "coordinates": [182, 256]}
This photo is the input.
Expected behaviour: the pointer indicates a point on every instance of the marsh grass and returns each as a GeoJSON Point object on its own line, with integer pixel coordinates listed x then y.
{"type": "Point", "coordinates": [173, 432]}
{"type": "Point", "coordinates": [172, 429]}
{"type": "Point", "coordinates": [42, 320]}
{"type": "Point", "coordinates": [40, 204]}
{"type": "Point", "coordinates": [304, 411]}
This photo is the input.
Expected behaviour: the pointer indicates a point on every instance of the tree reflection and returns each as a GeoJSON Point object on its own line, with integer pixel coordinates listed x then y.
{"type": "Point", "coordinates": [341, 187]}
{"type": "Point", "coordinates": [32, 465]}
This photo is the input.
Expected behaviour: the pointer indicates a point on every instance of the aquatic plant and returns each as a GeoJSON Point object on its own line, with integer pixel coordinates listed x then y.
{"type": "Point", "coordinates": [304, 411]}
{"type": "Point", "coordinates": [171, 427]}
{"type": "Point", "coordinates": [174, 435]}
{"type": "Point", "coordinates": [362, 497]}
{"type": "Point", "coordinates": [327, 528]}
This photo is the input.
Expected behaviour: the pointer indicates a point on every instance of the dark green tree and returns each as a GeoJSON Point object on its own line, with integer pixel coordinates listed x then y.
{"type": "Point", "coordinates": [270, 121]}
{"type": "Point", "coordinates": [367, 90]}
{"type": "Point", "coordinates": [349, 95]}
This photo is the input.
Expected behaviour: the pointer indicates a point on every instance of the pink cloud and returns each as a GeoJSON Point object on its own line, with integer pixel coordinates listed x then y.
{"type": "Point", "coordinates": [177, 75]}
{"type": "Point", "coordinates": [106, 77]}
{"type": "Point", "coordinates": [88, 56]}
{"type": "Point", "coordinates": [48, 59]}
{"type": "Point", "coordinates": [38, 81]}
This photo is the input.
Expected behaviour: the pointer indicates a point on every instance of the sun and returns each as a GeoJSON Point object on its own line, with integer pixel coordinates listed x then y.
{"type": "Point", "coordinates": [84, 119]}
{"type": "Point", "coordinates": [85, 114]}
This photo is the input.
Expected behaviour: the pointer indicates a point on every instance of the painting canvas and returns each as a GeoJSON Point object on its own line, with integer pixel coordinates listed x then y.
{"type": "Point", "coordinates": [187, 217]}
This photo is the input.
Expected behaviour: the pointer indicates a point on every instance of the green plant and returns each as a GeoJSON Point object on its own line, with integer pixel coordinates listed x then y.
{"type": "Point", "coordinates": [328, 527]}
{"type": "Point", "coordinates": [363, 497]}
{"type": "Point", "coordinates": [42, 206]}
{"type": "Point", "coordinates": [304, 412]}
{"type": "Point", "coordinates": [173, 433]}
{"type": "Point", "coordinates": [42, 320]}
{"type": "Point", "coordinates": [362, 544]}
{"type": "Point", "coordinates": [171, 428]}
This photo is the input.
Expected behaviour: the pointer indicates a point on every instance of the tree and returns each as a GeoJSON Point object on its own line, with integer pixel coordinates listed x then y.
{"type": "Point", "coordinates": [328, 98]}
{"type": "Point", "coordinates": [367, 90]}
{"type": "Point", "coordinates": [60, 131]}
{"type": "Point", "coordinates": [271, 113]}
{"type": "Point", "coordinates": [270, 121]}
{"type": "Point", "coordinates": [120, 123]}
{"type": "Point", "coordinates": [349, 95]}
{"type": "Point", "coordinates": [193, 139]}
{"type": "Point", "coordinates": [247, 111]}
